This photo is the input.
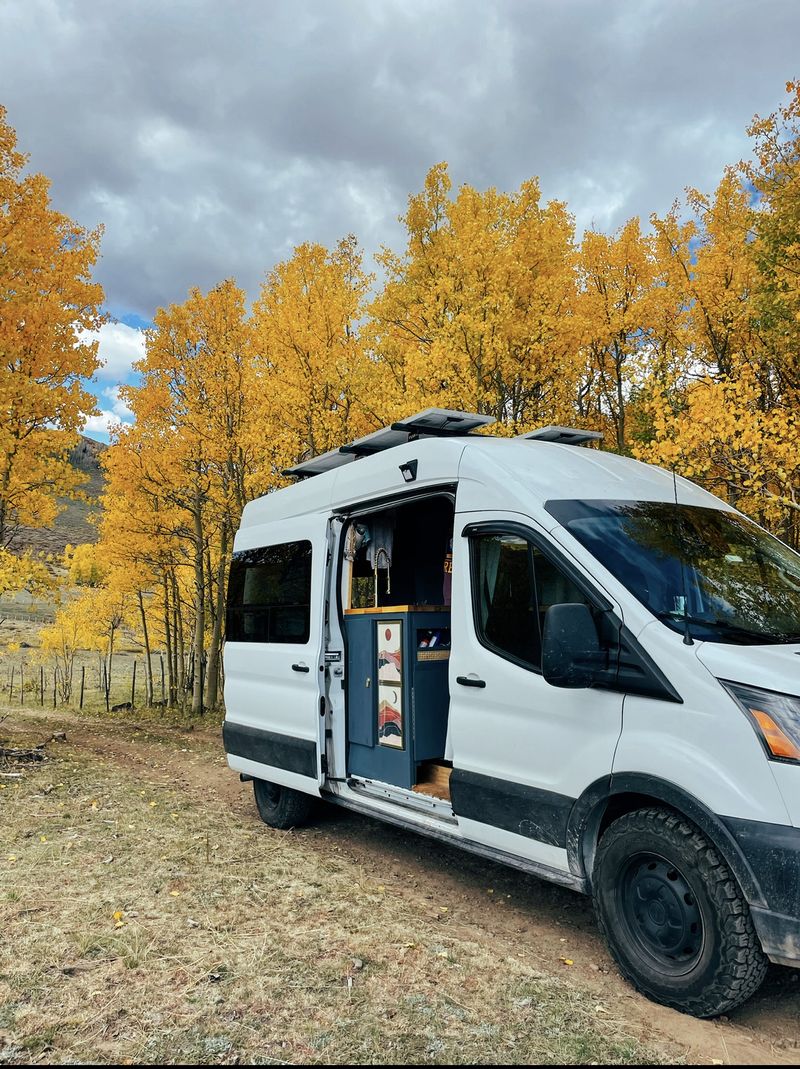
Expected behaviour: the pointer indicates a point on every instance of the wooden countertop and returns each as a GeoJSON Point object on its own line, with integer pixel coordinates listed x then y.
{"type": "Point", "coordinates": [381, 610]}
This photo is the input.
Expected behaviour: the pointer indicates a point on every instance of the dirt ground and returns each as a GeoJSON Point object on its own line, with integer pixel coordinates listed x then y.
{"type": "Point", "coordinates": [506, 912]}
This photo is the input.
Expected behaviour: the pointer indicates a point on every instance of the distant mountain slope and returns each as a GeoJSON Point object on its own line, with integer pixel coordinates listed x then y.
{"type": "Point", "coordinates": [72, 524]}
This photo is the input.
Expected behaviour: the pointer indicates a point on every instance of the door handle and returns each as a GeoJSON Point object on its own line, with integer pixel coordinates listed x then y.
{"type": "Point", "coordinates": [300, 668]}
{"type": "Point", "coordinates": [469, 681]}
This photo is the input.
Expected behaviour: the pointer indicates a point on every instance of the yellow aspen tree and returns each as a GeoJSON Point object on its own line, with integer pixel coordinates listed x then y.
{"type": "Point", "coordinates": [719, 275]}
{"type": "Point", "coordinates": [775, 175]}
{"type": "Point", "coordinates": [139, 536]}
{"type": "Point", "coordinates": [617, 275]}
{"type": "Point", "coordinates": [316, 384]}
{"type": "Point", "coordinates": [84, 564]}
{"type": "Point", "coordinates": [61, 642]}
{"type": "Point", "coordinates": [133, 553]}
{"type": "Point", "coordinates": [478, 313]}
{"type": "Point", "coordinates": [707, 264]}
{"type": "Point", "coordinates": [731, 420]}
{"type": "Point", "coordinates": [665, 361]}
{"type": "Point", "coordinates": [47, 301]}
{"type": "Point", "coordinates": [194, 448]}
{"type": "Point", "coordinates": [725, 439]}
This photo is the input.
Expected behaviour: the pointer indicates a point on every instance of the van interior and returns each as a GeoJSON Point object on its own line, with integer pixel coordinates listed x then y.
{"type": "Point", "coordinates": [396, 586]}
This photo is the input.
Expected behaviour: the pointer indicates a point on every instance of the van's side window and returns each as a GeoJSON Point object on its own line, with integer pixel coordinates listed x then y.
{"type": "Point", "coordinates": [515, 584]}
{"type": "Point", "coordinates": [269, 594]}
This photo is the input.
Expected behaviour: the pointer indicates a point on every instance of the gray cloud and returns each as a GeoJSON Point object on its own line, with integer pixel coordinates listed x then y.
{"type": "Point", "coordinates": [210, 138]}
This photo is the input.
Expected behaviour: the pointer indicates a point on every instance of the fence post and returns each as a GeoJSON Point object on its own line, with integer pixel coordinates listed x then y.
{"type": "Point", "coordinates": [55, 680]}
{"type": "Point", "coordinates": [41, 684]}
{"type": "Point", "coordinates": [83, 681]}
{"type": "Point", "coordinates": [22, 684]}
{"type": "Point", "coordinates": [133, 684]}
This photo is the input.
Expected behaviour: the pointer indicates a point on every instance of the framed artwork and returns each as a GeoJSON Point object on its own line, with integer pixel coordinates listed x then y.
{"type": "Point", "coordinates": [389, 644]}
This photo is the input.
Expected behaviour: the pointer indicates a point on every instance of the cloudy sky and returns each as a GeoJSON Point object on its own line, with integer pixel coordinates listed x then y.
{"type": "Point", "coordinates": [210, 138]}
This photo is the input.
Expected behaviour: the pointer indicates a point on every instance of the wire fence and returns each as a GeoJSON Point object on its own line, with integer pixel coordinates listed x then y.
{"type": "Point", "coordinates": [124, 686]}
{"type": "Point", "coordinates": [22, 616]}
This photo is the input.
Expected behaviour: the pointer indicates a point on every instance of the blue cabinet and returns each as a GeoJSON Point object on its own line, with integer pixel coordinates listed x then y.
{"type": "Point", "coordinates": [397, 690]}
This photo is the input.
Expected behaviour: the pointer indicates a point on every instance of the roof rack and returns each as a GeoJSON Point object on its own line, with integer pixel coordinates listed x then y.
{"type": "Point", "coordinates": [562, 435]}
{"type": "Point", "coordinates": [431, 423]}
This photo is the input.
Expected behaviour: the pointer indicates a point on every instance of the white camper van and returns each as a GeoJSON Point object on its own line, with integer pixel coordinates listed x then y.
{"type": "Point", "coordinates": [552, 656]}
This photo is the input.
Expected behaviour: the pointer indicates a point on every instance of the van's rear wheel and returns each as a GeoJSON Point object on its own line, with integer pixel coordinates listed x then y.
{"type": "Point", "coordinates": [674, 916]}
{"type": "Point", "coordinates": [281, 807]}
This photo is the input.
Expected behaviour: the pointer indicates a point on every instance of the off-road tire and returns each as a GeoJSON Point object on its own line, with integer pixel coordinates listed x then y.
{"type": "Point", "coordinates": [281, 807]}
{"type": "Point", "coordinates": [653, 867]}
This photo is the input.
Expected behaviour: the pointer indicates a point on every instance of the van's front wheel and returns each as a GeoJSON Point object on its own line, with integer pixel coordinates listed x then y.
{"type": "Point", "coordinates": [281, 807]}
{"type": "Point", "coordinates": [674, 916]}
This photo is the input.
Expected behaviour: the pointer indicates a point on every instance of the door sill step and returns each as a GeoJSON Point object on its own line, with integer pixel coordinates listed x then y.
{"type": "Point", "coordinates": [419, 803]}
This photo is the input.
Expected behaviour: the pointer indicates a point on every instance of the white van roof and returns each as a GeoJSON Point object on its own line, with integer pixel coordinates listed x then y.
{"type": "Point", "coordinates": [516, 474]}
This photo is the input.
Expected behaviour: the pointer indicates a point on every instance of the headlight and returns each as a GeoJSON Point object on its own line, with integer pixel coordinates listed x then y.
{"type": "Point", "coordinates": [775, 717]}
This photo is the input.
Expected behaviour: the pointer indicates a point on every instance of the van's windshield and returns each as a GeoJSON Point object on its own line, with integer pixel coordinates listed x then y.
{"type": "Point", "coordinates": [742, 585]}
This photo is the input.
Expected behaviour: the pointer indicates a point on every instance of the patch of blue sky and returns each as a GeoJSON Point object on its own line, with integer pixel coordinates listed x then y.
{"type": "Point", "coordinates": [133, 319]}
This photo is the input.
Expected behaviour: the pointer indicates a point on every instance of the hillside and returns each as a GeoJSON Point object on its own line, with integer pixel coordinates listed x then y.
{"type": "Point", "coordinates": [72, 524]}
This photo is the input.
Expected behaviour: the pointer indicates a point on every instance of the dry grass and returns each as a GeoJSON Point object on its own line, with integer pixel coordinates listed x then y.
{"type": "Point", "coordinates": [137, 926]}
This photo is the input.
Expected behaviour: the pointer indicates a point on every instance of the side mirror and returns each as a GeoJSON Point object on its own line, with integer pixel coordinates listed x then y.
{"type": "Point", "coordinates": [571, 652]}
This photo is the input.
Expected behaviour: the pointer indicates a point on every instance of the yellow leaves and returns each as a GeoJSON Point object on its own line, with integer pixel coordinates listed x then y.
{"type": "Point", "coordinates": [84, 565]}
{"type": "Point", "coordinates": [119, 918]}
{"type": "Point", "coordinates": [72, 629]}
{"type": "Point", "coordinates": [724, 437]}
{"type": "Point", "coordinates": [479, 313]}
{"type": "Point", "coordinates": [48, 302]}
{"type": "Point", "coordinates": [23, 572]}
{"type": "Point", "coordinates": [316, 383]}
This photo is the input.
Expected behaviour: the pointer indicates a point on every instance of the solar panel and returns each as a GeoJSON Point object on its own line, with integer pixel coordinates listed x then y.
{"type": "Point", "coordinates": [317, 465]}
{"type": "Point", "coordinates": [431, 423]}
{"type": "Point", "coordinates": [441, 421]}
{"type": "Point", "coordinates": [563, 435]}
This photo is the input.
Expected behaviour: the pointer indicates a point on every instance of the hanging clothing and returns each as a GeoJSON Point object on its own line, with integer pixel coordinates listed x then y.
{"type": "Point", "coordinates": [379, 549]}
{"type": "Point", "coordinates": [379, 552]}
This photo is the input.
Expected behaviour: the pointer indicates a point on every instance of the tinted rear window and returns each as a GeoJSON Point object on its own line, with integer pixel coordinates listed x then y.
{"type": "Point", "coordinates": [269, 594]}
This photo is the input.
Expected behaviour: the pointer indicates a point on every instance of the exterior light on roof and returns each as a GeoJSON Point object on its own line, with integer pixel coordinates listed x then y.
{"type": "Point", "coordinates": [409, 471]}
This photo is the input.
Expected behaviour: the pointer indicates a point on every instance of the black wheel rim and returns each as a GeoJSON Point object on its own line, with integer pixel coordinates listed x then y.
{"type": "Point", "coordinates": [272, 794]}
{"type": "Point", "coordinates": [661, 912]}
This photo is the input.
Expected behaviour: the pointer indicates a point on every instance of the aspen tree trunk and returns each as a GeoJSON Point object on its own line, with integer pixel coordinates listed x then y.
{"type": "Point", "coordinates": [199, 611]}
{"type": "Point", "coordinates": [211, 604]}
{"type": "Point", "coordinates": [180, 657]}
{"type": "Point", "coordinates": [212, 683]}
{"type": "Point", "coordinates": [171, 694]}
{"type": "Point", "coordinates": [148, 665]}
{"type": "Point", "coordinates": [110, 661]}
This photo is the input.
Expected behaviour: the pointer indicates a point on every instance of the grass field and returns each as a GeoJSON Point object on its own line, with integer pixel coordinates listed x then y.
{"type": "Point", "coordinates": [138, 926]}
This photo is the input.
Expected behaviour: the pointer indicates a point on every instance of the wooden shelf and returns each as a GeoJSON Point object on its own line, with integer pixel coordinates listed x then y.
{"type": "Point", "coordinates": [382, 610]}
